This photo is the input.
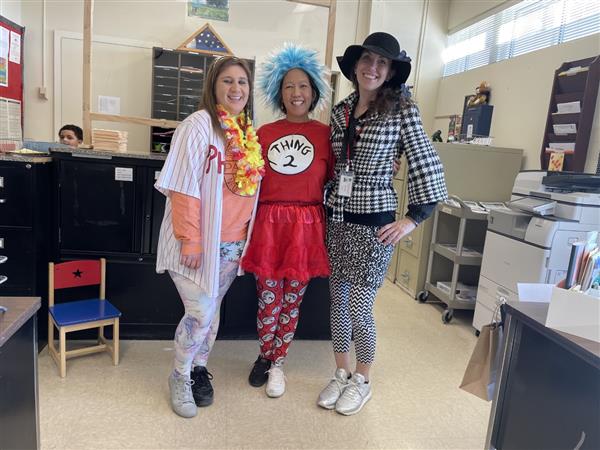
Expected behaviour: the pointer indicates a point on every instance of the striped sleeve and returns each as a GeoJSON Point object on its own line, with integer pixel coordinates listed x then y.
{"type": "Point", "coordinates": [182, 171]}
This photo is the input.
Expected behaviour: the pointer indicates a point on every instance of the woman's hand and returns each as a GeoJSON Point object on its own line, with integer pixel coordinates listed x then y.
{"type": "Point", "coordinates": [391, 233]}
{"type": "Point", "coordinates": [192, 261]}
{"type": "Point", "coordinates": [397, 165]}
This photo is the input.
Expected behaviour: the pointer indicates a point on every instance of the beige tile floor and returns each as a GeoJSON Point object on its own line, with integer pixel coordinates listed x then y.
{"type": "Point", "coordinates": [416, 401]}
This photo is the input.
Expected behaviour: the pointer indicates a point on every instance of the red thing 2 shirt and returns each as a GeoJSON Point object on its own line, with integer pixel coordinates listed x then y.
{"type": "Point", "coordinates": [298, 161]}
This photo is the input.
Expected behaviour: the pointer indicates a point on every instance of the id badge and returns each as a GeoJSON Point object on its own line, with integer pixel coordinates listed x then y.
{"type": "Point", "coordinates": [346, 181]}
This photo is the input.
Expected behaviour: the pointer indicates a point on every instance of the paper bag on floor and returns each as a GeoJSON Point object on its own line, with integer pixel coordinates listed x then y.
{"type": "Point", "coordinates": [482, 371]}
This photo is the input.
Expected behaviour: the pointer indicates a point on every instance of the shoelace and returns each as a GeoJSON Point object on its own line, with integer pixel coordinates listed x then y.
{"type": "Point", "coordinates": [184, 390]}
{"type": "Point", "coordinates": [204, 377]}
{"type": "Point", "coordinates": [339, 384]}
{"type": "Point", "coordinates": [353, 391]}
{"type": "Point", "coordinates": [278, 373]}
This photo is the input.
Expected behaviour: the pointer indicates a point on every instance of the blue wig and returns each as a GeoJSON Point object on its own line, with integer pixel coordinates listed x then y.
{"type": "Point", "coordinates": [280, 62]}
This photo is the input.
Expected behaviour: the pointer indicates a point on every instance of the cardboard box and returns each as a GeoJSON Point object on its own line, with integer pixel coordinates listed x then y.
{"type": "Point", "coordinates": [569, 311]}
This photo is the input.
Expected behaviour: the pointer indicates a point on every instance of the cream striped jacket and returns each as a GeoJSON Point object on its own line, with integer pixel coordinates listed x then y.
{"type": "Point", "coordinates": [193, 167]}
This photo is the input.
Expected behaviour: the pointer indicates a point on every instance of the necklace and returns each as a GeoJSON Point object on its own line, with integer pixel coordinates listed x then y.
{"type": "Point", "coordinates": [245, 149]}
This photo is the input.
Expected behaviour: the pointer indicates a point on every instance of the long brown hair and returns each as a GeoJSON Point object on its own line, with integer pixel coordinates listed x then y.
{"type": "Point", "coordinates": [209, 99]}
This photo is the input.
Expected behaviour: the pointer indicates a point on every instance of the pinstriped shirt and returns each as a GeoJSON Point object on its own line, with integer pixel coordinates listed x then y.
{"type": "Point", "coordinates": [383, 138]}
{"type": "Point", "coordinates": [194, 167]}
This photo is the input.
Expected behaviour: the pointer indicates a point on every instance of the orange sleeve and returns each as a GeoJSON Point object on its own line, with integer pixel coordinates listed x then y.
{"type": "Point", "coordinates": [186, 222]}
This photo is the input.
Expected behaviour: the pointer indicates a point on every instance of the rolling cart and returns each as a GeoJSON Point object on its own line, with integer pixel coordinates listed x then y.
{"type": "Point", "coordinates": [455, 255]}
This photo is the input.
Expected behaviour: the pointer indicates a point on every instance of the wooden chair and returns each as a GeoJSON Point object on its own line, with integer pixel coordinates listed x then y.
{"type": "Point", "coordinates": [81, 314]}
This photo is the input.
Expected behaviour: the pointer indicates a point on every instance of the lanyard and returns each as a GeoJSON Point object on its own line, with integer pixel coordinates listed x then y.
{"type": "Point", "coordinates": [352, 133]}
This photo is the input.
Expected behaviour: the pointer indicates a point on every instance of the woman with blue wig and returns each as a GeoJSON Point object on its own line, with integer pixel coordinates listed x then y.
{"type": "Point", "coordinates": [287, 248]}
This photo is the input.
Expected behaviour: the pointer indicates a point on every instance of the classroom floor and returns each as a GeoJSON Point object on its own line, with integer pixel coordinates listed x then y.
{"type": "Point", "coordinates": [416, 401]}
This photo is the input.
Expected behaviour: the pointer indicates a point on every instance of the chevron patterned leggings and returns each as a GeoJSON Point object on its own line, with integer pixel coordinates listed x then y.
{"type": "Point", "coordinates": [352, 314]}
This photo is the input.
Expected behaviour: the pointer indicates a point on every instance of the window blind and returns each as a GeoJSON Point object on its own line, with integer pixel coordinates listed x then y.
{"type": "Point", "coordinates": [522, 28]}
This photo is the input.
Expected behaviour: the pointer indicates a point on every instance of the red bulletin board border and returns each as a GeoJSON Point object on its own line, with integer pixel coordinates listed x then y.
{"type": "Point", "coordinates": [14, 90]}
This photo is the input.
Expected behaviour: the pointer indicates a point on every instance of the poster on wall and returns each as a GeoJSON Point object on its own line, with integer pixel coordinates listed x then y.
{"type": "Point", "coordinates": [4, 45]}
{"type": "Point", "coordinates": [14, 55]}
{"type": "Point", "coordinates": [209, 9]}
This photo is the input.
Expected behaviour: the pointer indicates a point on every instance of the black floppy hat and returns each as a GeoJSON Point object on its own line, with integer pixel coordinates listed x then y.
{"type": "Point", "coordinates": [383, 44]}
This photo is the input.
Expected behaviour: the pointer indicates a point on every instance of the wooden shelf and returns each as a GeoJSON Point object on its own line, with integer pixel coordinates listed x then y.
{"type": "Point", "coordinates": [582, 87]}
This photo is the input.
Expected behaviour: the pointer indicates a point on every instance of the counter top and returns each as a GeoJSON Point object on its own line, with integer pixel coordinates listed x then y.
{"type": "Point", "coordinates": [20, 310]}
{"type": "Point", "coordinates": [535, 314]}
{"type": "Point", "coordinates": [38, 159]}
{"type": "Point", "coordinates": [91, 153]}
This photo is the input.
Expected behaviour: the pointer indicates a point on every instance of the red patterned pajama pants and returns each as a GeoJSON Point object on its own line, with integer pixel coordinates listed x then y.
{"type": "Point", "coordinates": [278, 313]}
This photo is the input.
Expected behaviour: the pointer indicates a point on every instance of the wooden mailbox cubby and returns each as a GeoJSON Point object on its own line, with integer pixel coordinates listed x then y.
{"type": "Point", "coordinates": [581, 86]}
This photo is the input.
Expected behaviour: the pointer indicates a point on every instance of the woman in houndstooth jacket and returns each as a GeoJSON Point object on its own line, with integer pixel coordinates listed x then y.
{"type": "Point", "coordinates": [370, 128]}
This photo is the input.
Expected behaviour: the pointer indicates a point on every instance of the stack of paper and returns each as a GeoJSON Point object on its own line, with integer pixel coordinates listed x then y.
{"type": "Point", "coordinates": [573, 71]}
{"type": "Point", "coordinates": [113, 140]}
{"type": "Point", "coordinates": [564, 147]}
{"type": "Point", "coordinates": [568, 108]}
{"type": "Point", "coordinates": [564, 128]}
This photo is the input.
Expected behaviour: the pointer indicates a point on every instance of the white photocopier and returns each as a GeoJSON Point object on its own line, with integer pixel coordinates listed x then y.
{"type": "Point", "coordinates": [530, 242]}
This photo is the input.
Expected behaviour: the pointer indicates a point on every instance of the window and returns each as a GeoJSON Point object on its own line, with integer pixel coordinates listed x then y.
{"type": "Point", "coordinates": [527, 26]}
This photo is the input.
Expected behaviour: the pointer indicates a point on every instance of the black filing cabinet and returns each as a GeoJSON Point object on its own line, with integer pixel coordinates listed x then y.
{"type": "Point", "coordinates": [108, 207]}
{"type": "Point", "coordinates": [100, 206]}
{"type": "Point", "coordinates": [25, 224]}
{"type": "Point", "coordinates": [25, 217]}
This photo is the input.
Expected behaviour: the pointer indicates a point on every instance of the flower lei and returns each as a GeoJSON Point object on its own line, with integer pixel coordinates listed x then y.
{"type": "Point", "coordinates": [245, 150]}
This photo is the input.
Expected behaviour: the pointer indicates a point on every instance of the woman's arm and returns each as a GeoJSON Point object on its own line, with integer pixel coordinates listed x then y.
{"type": "Point", "coordinates": [186, 228]}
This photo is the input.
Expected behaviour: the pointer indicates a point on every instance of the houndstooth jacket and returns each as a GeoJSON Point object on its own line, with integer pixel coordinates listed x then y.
{"type": "Point", "coordinates": [383, 138]}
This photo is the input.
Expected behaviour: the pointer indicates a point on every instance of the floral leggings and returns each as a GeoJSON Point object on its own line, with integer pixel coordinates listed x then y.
{"type": "Point", "coordinates": [278, 314]}
{"type": "Point", "coordinates": [197, 330]}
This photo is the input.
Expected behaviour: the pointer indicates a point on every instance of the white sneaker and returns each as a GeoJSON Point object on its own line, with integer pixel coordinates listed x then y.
{"type": "Point", "coordinates": [182, 399]}
{"type": "Point", "coordinates": [330, 395]}
{"type": "Point", "coordinates": [354, 397]}
{"type": "Point", "coordinates": [276, 383]}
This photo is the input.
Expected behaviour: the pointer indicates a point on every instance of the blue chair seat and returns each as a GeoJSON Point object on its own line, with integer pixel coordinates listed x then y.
{"type": "Point", "coordinates": [82, 311]}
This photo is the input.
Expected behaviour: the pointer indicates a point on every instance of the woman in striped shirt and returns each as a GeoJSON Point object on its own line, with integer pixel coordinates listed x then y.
{"type": "Point", "coordinates": [210, 180]}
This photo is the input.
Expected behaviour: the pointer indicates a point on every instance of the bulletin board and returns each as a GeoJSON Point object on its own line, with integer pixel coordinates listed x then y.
{"type": "Point", "coordinates": [11, 60]}
{"type": "Point", "coordinates": [11, 83]}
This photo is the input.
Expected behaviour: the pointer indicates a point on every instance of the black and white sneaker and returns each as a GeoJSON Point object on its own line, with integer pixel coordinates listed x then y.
{"type": "Point", "coordinates": [202, 388]}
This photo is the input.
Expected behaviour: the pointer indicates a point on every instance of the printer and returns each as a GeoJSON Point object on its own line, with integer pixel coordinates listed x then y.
{"type": "Point", "coordinates": [530, 242]}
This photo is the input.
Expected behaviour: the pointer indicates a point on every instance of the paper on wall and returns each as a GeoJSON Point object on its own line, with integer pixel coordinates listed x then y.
{"type": "Point", "coordinates": [109, 105]}
{"type": "Point", "coordinates": [4, 45]}
{"type": "Point", "coordinates": [15, 48]}
{"type": "Point", "coordinates": [4, 42]}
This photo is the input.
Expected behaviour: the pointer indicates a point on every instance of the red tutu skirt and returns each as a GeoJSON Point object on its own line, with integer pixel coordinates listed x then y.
{"type": "Point", "coordinates": [288, 241]}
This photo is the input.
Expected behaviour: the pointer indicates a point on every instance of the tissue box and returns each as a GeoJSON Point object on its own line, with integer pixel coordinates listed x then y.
{"type": "Point", "coordinates": [569, 311]}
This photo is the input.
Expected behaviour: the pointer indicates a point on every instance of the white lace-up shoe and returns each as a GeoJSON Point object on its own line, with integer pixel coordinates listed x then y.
{"type": "Point", "coordinates": [354, 397]}
{"type": "Point", "coordinates": [330, 395]}
{"type": "Point", "coordinates": [276, 383]}
{"type": "Point", "coordinates": [182, 399]}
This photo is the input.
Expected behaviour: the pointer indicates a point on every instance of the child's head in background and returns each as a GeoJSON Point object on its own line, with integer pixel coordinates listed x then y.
{"type": "Point", "coordinates": [71, 135]}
